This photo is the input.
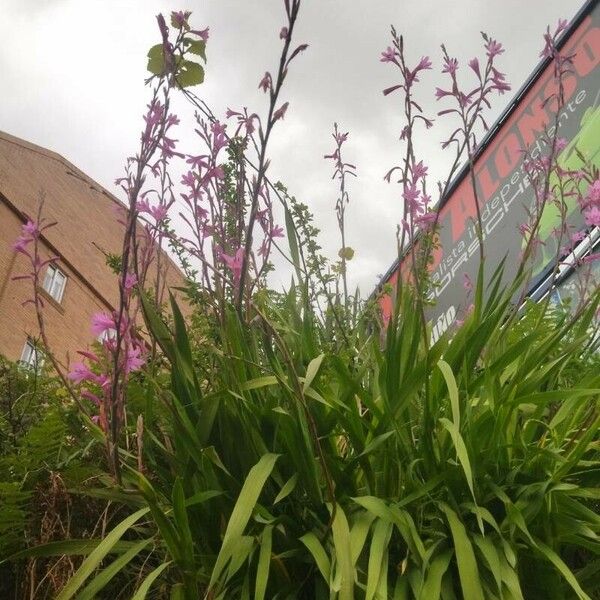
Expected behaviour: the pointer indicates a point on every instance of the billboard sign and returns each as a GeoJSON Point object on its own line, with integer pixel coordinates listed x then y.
{"type": "Point", "coordinates": [502, 184]}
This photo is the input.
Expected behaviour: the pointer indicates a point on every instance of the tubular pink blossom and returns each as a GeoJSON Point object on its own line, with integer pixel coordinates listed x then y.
{"type": "Point", "coordinates": [102, 322]}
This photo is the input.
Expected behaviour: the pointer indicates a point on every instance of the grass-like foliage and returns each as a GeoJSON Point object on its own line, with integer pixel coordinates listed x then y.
{"type": "Point", "coordinates": [276, 468]}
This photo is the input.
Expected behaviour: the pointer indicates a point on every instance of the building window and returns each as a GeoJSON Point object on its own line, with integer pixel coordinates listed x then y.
{"type": "Point", "coordinates": [54, 282]}
{"type": "Point", "coordinates": [32, 357]}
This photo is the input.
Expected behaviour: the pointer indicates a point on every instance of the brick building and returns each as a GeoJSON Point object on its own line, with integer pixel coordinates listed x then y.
{"type": "Point", "coordinates": [80, 283]}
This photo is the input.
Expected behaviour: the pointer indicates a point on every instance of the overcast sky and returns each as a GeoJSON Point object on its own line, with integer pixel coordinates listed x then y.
{"type": "Point", "coordinates": [73, 72]}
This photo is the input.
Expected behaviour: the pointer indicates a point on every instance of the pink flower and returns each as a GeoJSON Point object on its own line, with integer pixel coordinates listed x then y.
{"type": "Point", "coordinates": [234, 263]}
{"type": "Point", "coordinates": [561, 144]}
{"type": "Point", "coordinates": [419, 171]}
{"type": "Point", "coordinates": [179, 18]}
{"type": "Point", "coordinates": [31, 229]}
{"type": "Point", "coordinates": [388, 55]}
{"type": "Point", "coordinates": [593, 195]}
{"type": "Point", "coordinates": [20, 245]}
{"type": "Point", "coordinates": [265, 82]}
{"type": "Point", "coordinates": [280, 112]}
{"type": "Point", "coordinates": [130, 281]}
{"type": "Point", "coordinates": [201, 33]}
{"type": "Point", "coordinates": [592, 216]}
{"type": "Point", "coordinates": [493, 48]}
{"type": "Point", "coordinates": [578, 236]}
{"type": "Point", "coordinates": [467, 283]}
{"type": "Point", "coordinates": [102, 322]}
{"type": "Point", "coordinates": [474, 64]}
{"type": "Point", "coordinates": [81, 372]}
{"type": "Point", "coordinates": [134, 360]}
{"type": "Point", "coordinates": [450, 65]}
{"type": "Point", "coordinates": [424, 63]}
{"type": "Point", "coordinates": [277, 232]}
{"type": "Point", "coordinates": [426, 220]}
{"type": "Point", "coordinates": [440, 93]}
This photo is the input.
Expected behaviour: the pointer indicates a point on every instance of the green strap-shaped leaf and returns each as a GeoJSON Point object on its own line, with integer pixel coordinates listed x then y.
{"type": "Point", "coordinates": [103, 578]}
{"type": "Point", "coordinates": [143, 590]}
{"type": "Point", "coordinates": [557, 561]}
{"type": "Point", "coordinates": [311, 541]}
{"type": "Point", "coordinates": [341, 541]}
{"type": "Point", "coordinates": [287, 488]}
{"type": "Point", "coordinates": [465, 557]}
{"type": "Point", "coordinates": [264, 563]}
{"type": "Point", "coordinates": [452, 391]}
{"type": "Point", "coordinates": [312, 370]}
{"type": "Point", "coordinates": [90, 564]}
{"type": "Point", "coordinates": [381, 537]}
{"type": "Point", "coordinates": [432, 586]}
{"type": "Point", "coordinates": [242, 511]}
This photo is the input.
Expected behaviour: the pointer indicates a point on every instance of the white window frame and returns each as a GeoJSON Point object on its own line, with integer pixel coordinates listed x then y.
{"type": "Point", "coordinates": [31, 356]}
{"type": "Point", "coordinates": [54, 283]}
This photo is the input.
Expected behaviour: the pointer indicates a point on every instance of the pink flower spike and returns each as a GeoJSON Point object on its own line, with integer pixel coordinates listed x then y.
{"type": "Point", "coordinates": [102, 322]}
{"type": "Point", "coordinates": [31, 229]}
{"type": "Point", "coordinates": [592, 216]}
{"type": "Point", "coordinates": [130, 281]}
{"type": "Point", "coordinates": [592, 257]}
{"type": "Point", "coordinates": [493, 48]}
{"type": "Point", "coordinates": [81, 372]}
{"type": "Point", "coordinates": [424, 63]}
{"type": "Point", "coordinates": [474, 64]}
{"type": "Point", "coordinates": [89, 355]}
{"type": "Point", "coordinates": [388, 55]}
{"type": "Point", "coordinates": [280, 112]}
{"type": "Point", "coordinates": [265, 83]}
{"type": "Point", "coordinates": [92, 398]}
{"type": "Point", "coordinates": [277, 232]}
{"type": "Point", "coordinates": [234, 263]}
{"type": "Point", "coordinates": [201, 33]}
{"type": "Point", "coordinates": [450, 65]}
{"type": "Point", "coordinates": [561, 144]}
{"type": "Point", "coordinates": [467, 283]}
{"type": "Point", "coordinates": [20, 245]}
{"type": "Point", "coordinates": [135, 360]}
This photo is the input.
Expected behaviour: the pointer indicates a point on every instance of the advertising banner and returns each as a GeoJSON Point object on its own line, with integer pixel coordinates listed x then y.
{"type": "Point", "coordinates": [503, 187]}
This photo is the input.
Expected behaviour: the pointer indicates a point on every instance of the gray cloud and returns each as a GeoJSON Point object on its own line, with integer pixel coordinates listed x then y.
{"type": "Point", "coordinates": [73, 74]}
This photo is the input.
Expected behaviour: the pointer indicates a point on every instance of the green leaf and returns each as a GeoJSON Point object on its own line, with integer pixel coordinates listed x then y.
{"type": "Point", "coordinates": [293, 242]}
{"type": "Point", "coordinates": [311, 541]}
{"type": "Point", "coordinates": [264, 562]}
{"type": "Point", "coordinates": [242, 512]}
{"type": "Point", "coordinates": [465, 557]}
{"type": "Point", "coordinates": [287, 489]}
{"type": "Point", "coordinates": [103, 578]}
{"type": "Point", "coordinates": [189, 74]}
{"type": "Point", "coordinates": [259, 382]}
{"type": "Point", "coordinates": [562, 567]}
{"type": "Point", "coordinates": [197, 47]}
{"type": "Point", "coordinates": [432, 585]}
{"type": "Point", "coordinates": [341, 542]}
{"type": "Point", "coordinates": [452, 391]}
{"type": "Point", "coordinates": [156, 60]}
{"type": "Point", "coordinates": [461, 452]}
{"type": "Point", "coordinates": [91, 563]}
{"type": "Point", "coordinates": [381, 538]}
{"type": "Point", "coordinates": [312, 370]}
{"type": "Point", "coordinates": [144, 588]}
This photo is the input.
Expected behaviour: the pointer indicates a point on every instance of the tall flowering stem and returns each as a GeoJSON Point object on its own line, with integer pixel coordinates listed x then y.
{"type": "Point", "coordinates": [342, 170]}
{"type": "Point", "coordinates": [273, 87]}
{"type": "Point", "coordinates": [28, 244]}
